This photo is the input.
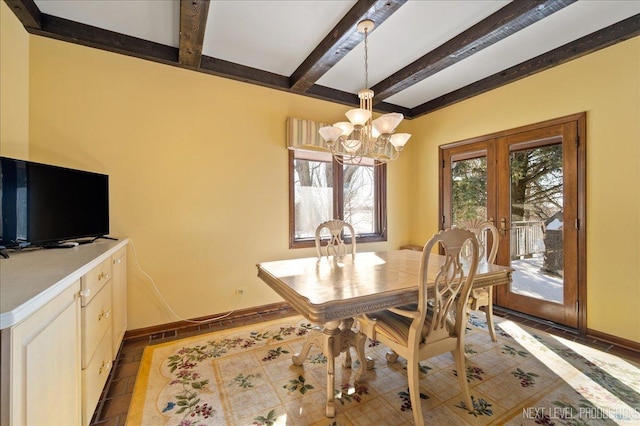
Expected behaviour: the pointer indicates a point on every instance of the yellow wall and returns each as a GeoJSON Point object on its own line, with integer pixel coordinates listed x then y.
{"type": "Point", "coordinates": [14, 86]}
{"type": "Point", "coordinates": [605, 84]}
{"type": "Point", "coordinates": [198, 171]}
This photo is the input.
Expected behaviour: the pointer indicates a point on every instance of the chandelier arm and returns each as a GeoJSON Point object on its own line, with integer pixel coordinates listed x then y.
{"type": "Point", "coordinates": [361, 138]}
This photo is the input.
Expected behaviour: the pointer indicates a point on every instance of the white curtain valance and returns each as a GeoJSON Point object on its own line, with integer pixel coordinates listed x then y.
{"type": "Point", "coordinates": [303, 134]}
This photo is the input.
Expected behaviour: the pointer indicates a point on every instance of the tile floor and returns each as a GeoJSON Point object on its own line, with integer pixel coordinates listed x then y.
{"type": "Point", "coordinates": [114, 403]}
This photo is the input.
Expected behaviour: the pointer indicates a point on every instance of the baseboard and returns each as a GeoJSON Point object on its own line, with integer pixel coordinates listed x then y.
{"type": "Point", "coordinates": [210, 319]}
{"type": "Point", "coordinates": [614, 340]}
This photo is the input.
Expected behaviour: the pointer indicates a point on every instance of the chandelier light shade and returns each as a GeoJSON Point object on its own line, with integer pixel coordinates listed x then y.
{"type": "Point", "coordinates": [387, 123]}
{"type": "Point", "coordinates": [360, 137]}
{"type": "Point", "coordinates": [330, 133]}
{"type": "Point", "coordinates": [358, 116]}
{"type": "Point", "coordinates": [398, 140]}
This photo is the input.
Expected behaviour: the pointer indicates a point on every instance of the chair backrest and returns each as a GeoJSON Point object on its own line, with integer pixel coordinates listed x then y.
{"type": "Point", "coordinates": [487, 235]}
{"type": "Point", "coordinates": [441, 302]}
{"type": "Point", "coordinates": [335, 244]}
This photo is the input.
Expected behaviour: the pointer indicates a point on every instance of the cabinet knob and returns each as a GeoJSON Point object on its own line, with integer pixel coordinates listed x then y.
{"type": "Point", "coordinates": [105, 367]}
{"type": "Point", "coordinates": [104, 275]}
{"type": "Point", "coordinates": [85, 293]}
{"type": "Point", "coordinates": [118, 260]}
{"type": "Point", "coordinates": [104, 314]}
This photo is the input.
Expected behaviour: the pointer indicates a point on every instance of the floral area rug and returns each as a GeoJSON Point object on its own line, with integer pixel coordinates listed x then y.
{"type": "Point", "coordinates": [244, 376]}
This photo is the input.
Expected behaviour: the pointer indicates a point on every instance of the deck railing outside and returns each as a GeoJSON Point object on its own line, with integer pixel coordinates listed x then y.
{"type": "Point", "coordinates": [527, 238]}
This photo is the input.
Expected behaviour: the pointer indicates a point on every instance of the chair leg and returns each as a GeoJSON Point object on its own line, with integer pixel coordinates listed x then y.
{"type": "Point", "coordinates": [488, 312]}
{"type": "Point", "coordinates": [461, 367]}
{"type": "Point", "coordinates": [414, 390]}
{"type": "Point", "coordinates": [391, 356]}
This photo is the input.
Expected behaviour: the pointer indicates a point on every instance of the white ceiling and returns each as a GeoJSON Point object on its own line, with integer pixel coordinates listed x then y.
{"type": "Point", "coordinates": [277, 36]}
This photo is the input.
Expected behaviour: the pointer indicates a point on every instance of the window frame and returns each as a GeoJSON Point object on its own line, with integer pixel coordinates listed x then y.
{"type": "Point", "coordinates": [380, 204]}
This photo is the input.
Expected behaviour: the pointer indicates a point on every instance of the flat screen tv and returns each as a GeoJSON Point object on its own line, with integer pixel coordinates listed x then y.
{"type": "Point", "coordinates": [43, 205]}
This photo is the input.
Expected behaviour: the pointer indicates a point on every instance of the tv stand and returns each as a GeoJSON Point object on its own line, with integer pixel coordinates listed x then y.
{"type": "Point", "coordinates": [63, 318]}
{"type": "Point", "coordinates": [94, 239]}
{"type": "Point", "coordinates": [60, 244]}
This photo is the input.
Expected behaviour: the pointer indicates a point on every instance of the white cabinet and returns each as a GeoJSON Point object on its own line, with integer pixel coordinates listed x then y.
{"type": "Point", "coordinates": [57, 351]}
{"type": "Point", "coordinates": [119, 298]}
{"type": "Point", "coordinates": [41, 359]}
{"type": "Point", "coordinates": [96, 336]}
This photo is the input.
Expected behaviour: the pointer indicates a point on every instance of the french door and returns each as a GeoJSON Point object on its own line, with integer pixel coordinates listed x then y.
{"type": "Point", "coordinates": [530, 182]}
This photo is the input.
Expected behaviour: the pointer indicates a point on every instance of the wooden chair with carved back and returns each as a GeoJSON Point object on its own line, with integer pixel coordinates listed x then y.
{"type": "Point", "coordinates": [437, 323]}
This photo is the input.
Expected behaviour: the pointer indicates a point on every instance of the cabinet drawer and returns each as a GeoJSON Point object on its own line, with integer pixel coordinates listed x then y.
{"type": "Point", "coordinates": [96, 321]}
{"type": "Point", "coordinates": [94, 280]}
{"type": "Point", "coordinates": [94, 378]}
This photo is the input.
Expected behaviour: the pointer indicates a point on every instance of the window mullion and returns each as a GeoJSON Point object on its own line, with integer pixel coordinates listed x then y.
{"type": "Point", "coordinates": [380, 177]}
{"type": "Point", "coordinates": [338, 190]}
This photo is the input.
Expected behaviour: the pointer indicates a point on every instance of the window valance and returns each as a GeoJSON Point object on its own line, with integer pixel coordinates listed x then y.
{"type": "Point", "coordinates": [304, 134]}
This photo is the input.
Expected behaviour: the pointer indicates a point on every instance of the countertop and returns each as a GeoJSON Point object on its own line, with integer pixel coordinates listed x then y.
{"type": "Point", "coordinates": [31, 278]}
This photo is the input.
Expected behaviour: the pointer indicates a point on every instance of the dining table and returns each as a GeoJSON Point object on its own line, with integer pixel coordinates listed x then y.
{"type": "Point", "coordinates": [331, 291]}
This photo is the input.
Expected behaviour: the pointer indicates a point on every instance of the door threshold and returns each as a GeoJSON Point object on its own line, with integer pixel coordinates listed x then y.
{"type": "Point", "coordinates": [504, 312]}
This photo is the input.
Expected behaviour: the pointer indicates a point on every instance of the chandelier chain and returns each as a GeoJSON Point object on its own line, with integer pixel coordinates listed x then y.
{"type": "Point", "coordinates": [366, 58]}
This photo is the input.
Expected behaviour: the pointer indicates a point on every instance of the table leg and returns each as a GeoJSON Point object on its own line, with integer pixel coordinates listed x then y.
{"type": "Point", "coordinates": [315, 337]}
{"type": "Point", "coordinates": [365, 362]}
{"type": "Point", "coordinates": [334, 338]}
{"type": "Point", "coordinates": [332, 345]}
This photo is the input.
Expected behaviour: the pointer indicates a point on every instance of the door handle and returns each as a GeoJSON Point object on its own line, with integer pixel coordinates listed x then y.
{"type": "Point", "coordinates": [503, 226]}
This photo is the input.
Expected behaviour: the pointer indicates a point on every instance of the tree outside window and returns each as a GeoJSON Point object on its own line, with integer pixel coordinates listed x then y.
{"type": "Point", "coordinates": [321, 189]}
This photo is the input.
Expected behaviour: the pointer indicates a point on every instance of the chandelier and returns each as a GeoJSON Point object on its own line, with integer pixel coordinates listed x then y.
{"type": "Point", "coordinates": [360, 137]}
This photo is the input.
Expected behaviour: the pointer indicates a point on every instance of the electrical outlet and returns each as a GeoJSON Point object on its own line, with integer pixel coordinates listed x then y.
{"type": "Point", "coordinates": [240, 291]}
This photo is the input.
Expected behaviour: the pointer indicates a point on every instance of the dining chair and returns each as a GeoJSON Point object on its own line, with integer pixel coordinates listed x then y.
{"type": "Point", "coordinates": [482, 298]}
{"type": "Point", "coordinates": [437, 323]}
{"type": "Point", "coordinates": [335, 249]}
{"type": "Point", "coordinates": [335, 245]}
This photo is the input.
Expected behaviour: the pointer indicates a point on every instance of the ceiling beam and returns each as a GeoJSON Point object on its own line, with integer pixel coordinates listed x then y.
{"type": "Point", "coordinates": [350, 99]}
{"type": "Point", "coordinates": [616, 33]}
{"type": "Point", "coordinates": [245, 74]}
{"type": "Point", "coordinates": [498, 26]}
{"type": "Point", "coordinates": [87, 35]}
{"type": "Point", "coordinates": [238, 72]}
{"type": "Point", "coordinates": [26, 11]}
{"type": "Point", "coordinates": [341, 40]}
{"type": "Point", "coordinates": [193, 22]}
{"type": "Point", "coordinates": [62, 29]}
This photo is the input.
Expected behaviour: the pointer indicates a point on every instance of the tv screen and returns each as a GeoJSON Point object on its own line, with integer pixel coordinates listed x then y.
{"type": "Point", "coordinates": [42, 204]}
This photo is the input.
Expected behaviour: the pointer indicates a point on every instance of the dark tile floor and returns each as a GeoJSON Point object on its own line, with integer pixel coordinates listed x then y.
{"type": "Point", "coordinates": [114, 403]}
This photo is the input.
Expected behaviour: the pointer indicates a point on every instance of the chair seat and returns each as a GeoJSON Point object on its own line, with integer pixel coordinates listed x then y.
{"type": "Point", "coordinates": [396, 327]}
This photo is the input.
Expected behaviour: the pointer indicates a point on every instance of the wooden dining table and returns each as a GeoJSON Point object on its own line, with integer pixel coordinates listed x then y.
{"type": "Point", "coordinates": [332, 291]}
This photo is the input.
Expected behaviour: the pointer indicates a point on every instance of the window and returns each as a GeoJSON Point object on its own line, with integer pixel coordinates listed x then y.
{"type": "Point", "coordinates": [321, 189]}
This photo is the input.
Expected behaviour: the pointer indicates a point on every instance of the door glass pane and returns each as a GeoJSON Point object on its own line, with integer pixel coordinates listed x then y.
{"type": "Point", "coordinates": [359, 197]}
{"type": "Point", "coordinates": [537, 222]}
{"type": "Point", "coordinates": [469, 189]}
{"type": "Point", "coordinates": [313, 186]}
